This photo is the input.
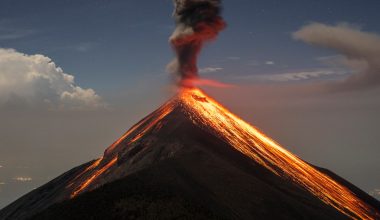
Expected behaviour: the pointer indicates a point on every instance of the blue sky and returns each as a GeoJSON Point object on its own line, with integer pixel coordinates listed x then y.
{"type": "Point", "coordinates": [110, 44]}
{"type": "Point", "coordinates": [118, 50]}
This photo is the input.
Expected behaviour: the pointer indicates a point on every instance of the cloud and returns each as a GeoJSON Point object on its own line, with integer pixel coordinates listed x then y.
{"type": "Point", "coordinates": [375, 193]}
{"type": "Point", "coordinates": [361, 52]}
{"type": "Point", "coordinates": [14, 34]}
{"type": "Point", "coordinates": [84, 47]}
{"type": "Point", "coordinates": [210, 69]}
{"type": "Point", "coordinates": [23, 179]}
{"type": "Point", "coordinates": [269, 62]}
{"type": "Point", "coordinates": [9, 32]}
{"type": "Point", "coordinates": [300, 76]}
{"type": "Point", "coordinates": [35, 81]}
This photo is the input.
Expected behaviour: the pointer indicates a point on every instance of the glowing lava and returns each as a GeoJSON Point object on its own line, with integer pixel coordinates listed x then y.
{"type": "Point", "coordinates": [99, 172]}
{"type": "Point", "coordinates": [99, 167]}
{"type": "Point", "coordinates": [254, 144]}
{"type": "Point", "coordinates": [207, 114]}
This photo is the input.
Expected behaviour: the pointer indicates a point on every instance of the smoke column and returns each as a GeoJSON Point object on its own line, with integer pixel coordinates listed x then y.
{"type": "Point", "coordinates": [197, 21]}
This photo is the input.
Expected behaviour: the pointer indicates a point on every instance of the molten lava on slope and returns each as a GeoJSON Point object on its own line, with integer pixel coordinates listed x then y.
{"type": "Point", "coordinates": [254, 144]}
{"type": "Point", "coordinates": [194, 125]}
{"type": "Point", "coordinates": [208, 114]}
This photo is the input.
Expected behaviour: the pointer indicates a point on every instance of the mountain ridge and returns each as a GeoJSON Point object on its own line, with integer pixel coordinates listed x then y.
{"type": "Point", "coordinates": [185, 125]}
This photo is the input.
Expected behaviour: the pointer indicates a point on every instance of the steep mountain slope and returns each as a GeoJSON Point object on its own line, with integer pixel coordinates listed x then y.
{"type": "Point", "coordinates": [215, 161]}
{"type": "Point", "coordinates": [211, 188]}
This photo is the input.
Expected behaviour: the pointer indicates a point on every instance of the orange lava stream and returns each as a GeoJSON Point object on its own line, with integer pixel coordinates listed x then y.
{"type": "Point", "coordinates": [161, 113]}
{"type": "Point", "coordinates": [153, 121]}
{"type": "Point", "coordinates": [99, 172]}
{"type": "Point", "coordinates": [247, 139]}
{"type": "Point", "coordinates": [129, 132]}
{"type": "Point", "coordinates": [91, 167]}
{"type": "Point", "coordinates": [254, 144]}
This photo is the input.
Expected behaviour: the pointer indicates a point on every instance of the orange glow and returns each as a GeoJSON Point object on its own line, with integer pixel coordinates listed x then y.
{"type": "Point", "coordinates": [129, 132]}
{"type": "Point", "coordinates": [204, 82]}
{"type": "Point", "coordinates": [206, 112]}
{"type": "Point", "coordinates": [254, 144]}
{"type": "Point", "coordinates": [133, 135]}
{"type": "Point", "coordinates": [91, 167]}
{"type": "Point", "coordinates": [99, 172]}
{"type": "Point", "coordinates": [161, 113]}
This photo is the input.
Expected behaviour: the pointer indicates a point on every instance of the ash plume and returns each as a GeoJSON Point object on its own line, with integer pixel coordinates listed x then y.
{"type": "Point", "coordinates": [197, 21]}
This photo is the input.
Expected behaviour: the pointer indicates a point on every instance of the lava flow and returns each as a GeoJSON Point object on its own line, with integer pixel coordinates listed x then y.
{"type": "Point", "coordinates": [100, 166]}
{"type": "Point", "coordinates": [99, 172]}
{"type": "Point", "coordinates": [209, 115]}
{"type": "Point", "coordinates": [254, 144]}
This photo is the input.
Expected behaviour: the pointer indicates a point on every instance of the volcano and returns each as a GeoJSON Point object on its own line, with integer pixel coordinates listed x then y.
{"type": "Point", "coordinates": [194, 159]}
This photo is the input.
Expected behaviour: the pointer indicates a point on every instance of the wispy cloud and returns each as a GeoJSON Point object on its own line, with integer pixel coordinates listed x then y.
{"type": "Point", "coordinates": [262, 62]}
{"type": "Point", "coordinates": [375, 193]}
{"type": "Point", "coordinates": [84, 47]}
{"type": "Point", "coordinates": [12, 35]}
{"type": "Point", "coordinates": [329, 58]}
{"type": "Point", "coordinates": [300, 76]}
{"type": "Point", "coordinates": [23, 179]}
{"type": "Point", "coordinates": [295, 76]}
{"type": "Point", "coordinates": [210, 69]}
{"type": "Point", "coordinates": [9, 32]}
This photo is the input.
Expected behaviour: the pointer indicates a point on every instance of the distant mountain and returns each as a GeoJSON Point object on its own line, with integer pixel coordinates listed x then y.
{"type": "Point", "coordinates": [193, 159]}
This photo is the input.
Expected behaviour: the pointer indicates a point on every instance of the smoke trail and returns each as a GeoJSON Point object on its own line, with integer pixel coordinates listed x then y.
{"type": "Point", "coordinates": [197, 21]}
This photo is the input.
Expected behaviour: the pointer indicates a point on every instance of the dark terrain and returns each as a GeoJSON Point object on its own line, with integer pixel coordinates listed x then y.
{"type": "Point", "coordinates": [176, 170]}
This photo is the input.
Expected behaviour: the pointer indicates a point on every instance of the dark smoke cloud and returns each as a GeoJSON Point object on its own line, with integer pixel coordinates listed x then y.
{"type": "Point", "coordinates": [360, 49]}
{"type": "Point", "coordinates": [197, 21]}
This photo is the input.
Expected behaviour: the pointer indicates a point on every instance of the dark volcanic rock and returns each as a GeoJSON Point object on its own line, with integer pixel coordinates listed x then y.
{"type": "Point", "coordinates": [171, 166]}
{"type": "Point", "coordinates": [211, 188]}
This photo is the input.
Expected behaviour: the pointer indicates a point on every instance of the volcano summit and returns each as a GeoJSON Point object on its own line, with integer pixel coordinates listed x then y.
{"type": "Point", "coordinates": [193, 159]}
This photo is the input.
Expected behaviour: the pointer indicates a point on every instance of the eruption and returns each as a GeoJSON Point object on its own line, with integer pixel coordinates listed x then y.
{"type": "Point", "coordinates": [197, 21]}
{"type": "Point", "coordinates": [204, 150]}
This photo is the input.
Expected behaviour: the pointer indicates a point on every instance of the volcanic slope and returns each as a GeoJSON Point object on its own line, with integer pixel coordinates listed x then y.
{"type": "Point", "coordinates": [192, 158]}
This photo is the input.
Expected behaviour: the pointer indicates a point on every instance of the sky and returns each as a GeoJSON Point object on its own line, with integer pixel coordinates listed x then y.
{"type": "Point", "coordinates": [76, 74]}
